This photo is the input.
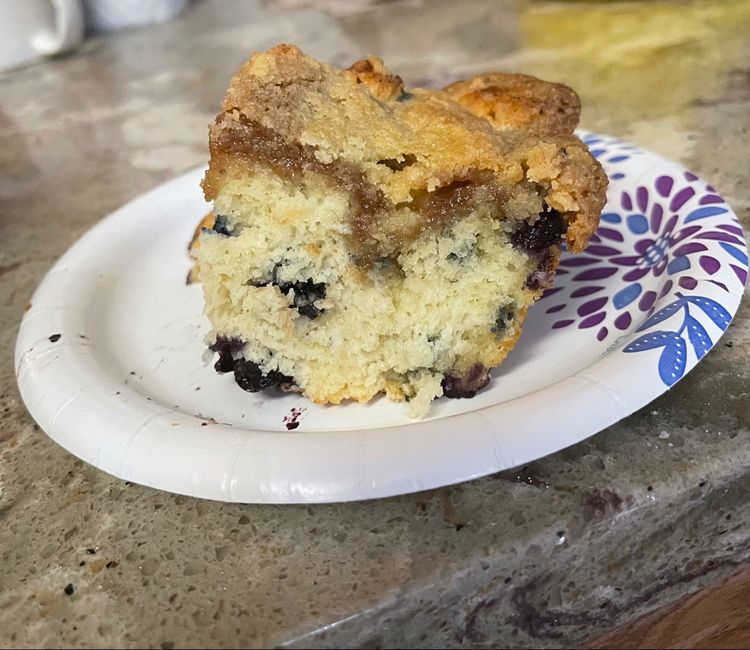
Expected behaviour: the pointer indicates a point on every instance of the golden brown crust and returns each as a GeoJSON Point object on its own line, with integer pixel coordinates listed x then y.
{"type": "Point", "coordinates": [575, 181]}
{"type": "Point", "coordinates": [379, 81]}
{"type": "Point", "coordinates": [517, 128]}
{"type": "Point", "coordinates": [517, 101]}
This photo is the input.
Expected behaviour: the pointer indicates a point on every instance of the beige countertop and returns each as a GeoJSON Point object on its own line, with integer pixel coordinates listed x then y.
{"type": "Point", "coordinates": [547, 555]}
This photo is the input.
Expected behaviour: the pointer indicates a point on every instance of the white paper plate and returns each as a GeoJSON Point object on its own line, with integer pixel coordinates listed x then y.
{"type": "Point", "coordinates": [110, 357]}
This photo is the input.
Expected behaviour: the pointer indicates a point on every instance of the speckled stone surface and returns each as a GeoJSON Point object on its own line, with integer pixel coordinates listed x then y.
{"type": "Point", "coordinates": [547, 555]}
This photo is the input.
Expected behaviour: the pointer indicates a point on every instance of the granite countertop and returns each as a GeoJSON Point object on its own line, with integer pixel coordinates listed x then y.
{"type": "Point", "coordinates": [550, 554]}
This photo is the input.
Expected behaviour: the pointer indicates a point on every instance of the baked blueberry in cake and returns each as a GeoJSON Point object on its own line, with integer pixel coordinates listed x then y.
{"type": "Point", "coordinates": [370, 239]}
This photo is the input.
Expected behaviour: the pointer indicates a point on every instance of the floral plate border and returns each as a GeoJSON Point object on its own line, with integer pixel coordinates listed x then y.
{"type": "Point", "coordinates": [666, 242]}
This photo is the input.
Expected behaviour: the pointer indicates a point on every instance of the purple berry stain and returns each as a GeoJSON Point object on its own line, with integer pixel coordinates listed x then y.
{"type": "Point", "coordinates": [291, 421]}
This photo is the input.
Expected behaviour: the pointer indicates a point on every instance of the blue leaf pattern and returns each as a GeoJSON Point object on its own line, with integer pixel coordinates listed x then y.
{"type": "Point", "coordinates": [673, 360]}
{"type": "Point", "coordinates": [713, 310]}
{"type": "Point", "coordinates": [662, 314]}
{"type": "Point", "coordinates": [650, 341]}
{"type": "Point", "coordinates": [735, 252]}
{"type": "Point", "coordinates": [702, 213]}
{"type": "Point", "coordinates": [698, 336]}
{"type": "Point", "coordinates": [673, 357]}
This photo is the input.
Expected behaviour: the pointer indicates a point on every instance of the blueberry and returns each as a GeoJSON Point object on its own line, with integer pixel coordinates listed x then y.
{"type": "Point", "coordinates": [502, 319]}
{"type": "Point", "coordinates": [309, 311]}
{"type": "Point", "coordinates": [304, 294]}
{"type": "Point", "coordinates": [227, 348]}
{"type": "Point", "coordinates": [247, 374]}
{"type": "Point", "coordinates": [251, 378]}
{"type": "Point", "coordinates": [546, 231]}
{"type": "Point", "coordinates": [460, 386]}
{"type": "Point", "coordinates": [221, 226]}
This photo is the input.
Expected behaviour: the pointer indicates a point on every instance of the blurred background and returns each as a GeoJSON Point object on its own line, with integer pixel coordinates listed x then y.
{"type": "Point", "coordinates": [117, 94]}
{"type": "Point", "coordinates": [639, 60]}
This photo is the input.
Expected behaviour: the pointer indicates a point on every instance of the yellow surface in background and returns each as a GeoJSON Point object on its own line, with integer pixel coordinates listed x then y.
{"type": "Point", "coordinates": [641, 59]}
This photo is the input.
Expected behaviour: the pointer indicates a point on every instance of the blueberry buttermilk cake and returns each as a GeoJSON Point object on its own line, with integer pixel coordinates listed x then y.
{"type": "Point", "coordinates": [371, 239]}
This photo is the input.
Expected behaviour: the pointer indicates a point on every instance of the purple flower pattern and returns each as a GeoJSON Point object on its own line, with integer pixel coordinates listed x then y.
{"type": "Point", "coordinates": [656, 241]}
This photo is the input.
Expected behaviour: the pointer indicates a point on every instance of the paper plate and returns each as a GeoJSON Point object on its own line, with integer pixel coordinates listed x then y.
{"type": "Point", "coordinates": [110, 357]}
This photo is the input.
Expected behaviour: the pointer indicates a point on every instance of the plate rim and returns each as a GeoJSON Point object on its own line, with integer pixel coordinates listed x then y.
{"type": "Point", "coordinates": [432, 443]}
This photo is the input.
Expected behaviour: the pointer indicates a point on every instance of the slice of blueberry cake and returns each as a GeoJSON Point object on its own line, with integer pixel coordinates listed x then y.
{"type": "Point", "coordinates": [370, 239]}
